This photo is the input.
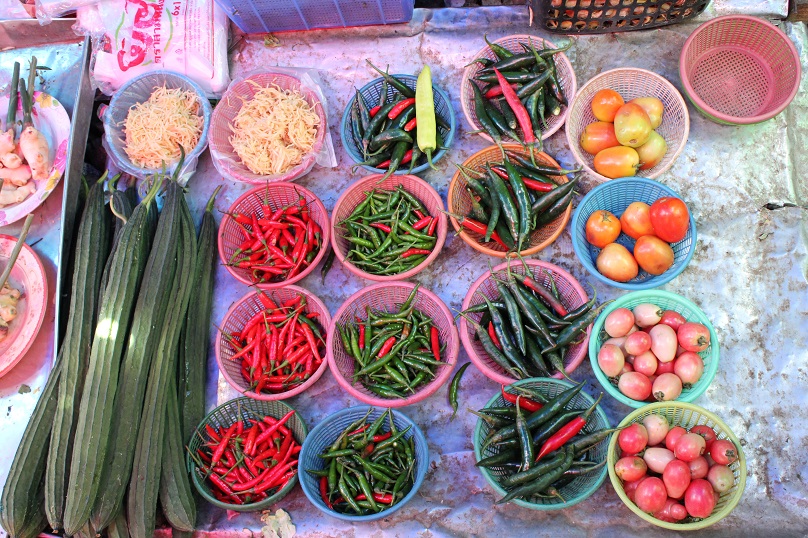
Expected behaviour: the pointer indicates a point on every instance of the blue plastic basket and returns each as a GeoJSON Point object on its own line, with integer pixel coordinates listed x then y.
{"type": "Point", "coordinates": [327, 431]}
{"type": "Point", "coordinates": [372, 91]}
{"type": "Point", "coordinates": [261, 16]}
{"type": "Point", "coordinates": [615, 196]}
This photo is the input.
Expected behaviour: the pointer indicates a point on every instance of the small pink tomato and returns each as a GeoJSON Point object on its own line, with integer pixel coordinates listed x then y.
{"type": "Point", "coordinates": [657, 427]}
{"type": "Point", "coordinates": [630, 469]}
{"type": "Point", "coordinates": [663, 343]}
{"type": "Point", "coordinates": [632, 330]}
{"type": "Point", "coordinates": [694, 336]}
{"type": "Point", "coordinates": [658, 458]}
{"type": "Point", "coordinates": [627, 368]}
{"type": "Point", "coordinates": [698, 468]}
{"type": "Point", "coordinates": [672, 319]}
{"type": "Point", "coordinates": [618, 322]}
{"type": "Point", "coordinates": [689, 447]}
{"type": "Point", "coordinates": [705, 431]}
{"type": "Point", "coordinates": [673, 435]}
{"type": "Point", "coordinates": [630, 488]}
{"type": "Point", "coordinates": [721, 478]}
{"type": "Point", "coordinates": [671, 512]}
{"type": "Point", "coordinates": [633, 439]}
{"type": "Point", "coordinates": [619, 342]}
{"type": "Point", "coordinates": [723, 451]}
{"type": "Point", "coordinates": [638, 343]}
{"type": "Point", "coordinates": [634, 385]}
{"type": "Point", "coordinates": [647, 314]}
{"type": "Point", "coordinates": [651, 495]}
{"type": "Point", "coordinates": [699, 498]}
{"type": "Point", "coordinates": [667, 387]}
{"type": "Point", "coordinates": [645, 363]}
{"type": "Point", "coordinates": [676, 477]}
{"type": "Point", "coordinates": [611, 360]}
{"type": "Point", "coordinates": [665, 367]}
{"type": "Point", "coordinates": [689, 367]}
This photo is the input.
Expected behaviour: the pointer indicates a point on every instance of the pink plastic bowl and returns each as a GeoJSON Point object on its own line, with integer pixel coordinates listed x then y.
{"type": "Point", "coordinates": [355, 194]}
{"type": "Point", "coordinates": [572, 296]}
{"type": "Point", "coordinates": [278, 195]}
{"type": "Point", "coordinates": [388, 296]}
{"type": "Point", "coordinates": [238, 316]}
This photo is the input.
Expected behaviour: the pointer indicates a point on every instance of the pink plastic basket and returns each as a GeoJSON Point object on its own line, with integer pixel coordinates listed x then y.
{"type": "Point", "coordinates": [631, 83]}
{"type": "Point", "coordinates": [572, 296]}
{"type": "Point", "coordinates": [566, 79]}
{"type": "Point", "coordinates": [388, 296]}
{"type": "Point", "coordinates": [739, 70]}
{"type": "Point", "coordinates": [355, 194]}
{"type": "Point", "coordinates": [279, 195]}
{"type": "Point", "coordinates": [240, 313]}
{"type": "Point", "coordinates": [225, 159]}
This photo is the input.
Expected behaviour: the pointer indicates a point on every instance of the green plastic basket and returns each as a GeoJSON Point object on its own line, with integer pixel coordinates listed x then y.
{"type": "Point", "coordinates": [686, 415]}
{"type": "Point", "coordinates": [227, 414]}
{"type": "Point", "coordinates": [667, 301]}
{"type": "Point", "coordinates": [579, 489]}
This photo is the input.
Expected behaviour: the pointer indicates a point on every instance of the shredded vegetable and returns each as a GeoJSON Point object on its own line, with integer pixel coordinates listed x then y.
{"type": "Point", "coordinates": [274, 130]}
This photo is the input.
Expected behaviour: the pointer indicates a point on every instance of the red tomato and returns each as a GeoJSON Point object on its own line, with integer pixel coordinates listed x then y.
{"type": "Point", "coordinates": [653, 151]}
{"type": "Point", "coordinates": [636, 220]}
{"type": "Point", "coordinates": [673, 435]}
{"type": "Point", "coordinates": [693, 336]}
{"type": "Point", "coordinates": [723, 451]}
{"type": "Point", "coordinates": [606, 103]}
{"type": "Point", "coordinates": [632, 126]}
{"type": "Point", "coordinates": [672, 319]}
{"type": "Point", "coordinates": [670, 219]}
{"type": "Point", "coordinates": [598, 136]}
{"type": "Point", "coordinates": [699, 498]}
{"type": "Point", "coordinates": [633, 439]}
{"type": "Point", "coordinates": [705, 431]}
{"type": "Point", "coordinates": [602, 228]}
{"type": "Point", "coordinates": [721, 478]}
{"type": "Point", "coordinates": [635, 385]}
{"type": "Point", "coordinates": [699, 468]}
{"type": "Point", "coordinates": [689, 447]}
{"type": "Point", "coordinates": [631, 468]}
{"type": "Point", "coordinates": [619, 161]}
{"type": "Point", "coordinates": [653, 254]}
{"type": "Point", "coordinates": [676, 477]}
{"type": "Point", "coordinates": [651, 494]}
{"type": "Point", "coordinates": [617, 263]}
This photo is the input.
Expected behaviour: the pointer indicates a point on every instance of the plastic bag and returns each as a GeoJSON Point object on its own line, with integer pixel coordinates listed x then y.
{"type": "Point", "coordinates": [308, 82]}
{"type": "Point", "coordinates": [89, 22]}
{"type": "Point", "coordinates": [47, 10]}
{"type": "Point", "coordinates": [184, 36]}
{"type": "Point", "coordinates": [14, 9]}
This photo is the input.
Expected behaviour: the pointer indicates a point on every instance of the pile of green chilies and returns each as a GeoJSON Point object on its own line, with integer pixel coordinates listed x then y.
{"type": "Point", "coordinates": [369, 468]}
{"type": "Point", "coordinates": [538, 443]}
{"type": "Point", "coordinates": [513, 198]}
{"type": "Point", "coordinates": [390, 232]}
{"type": "Point", "coordinates": [528, 326]}
{"type": "Point", "coordinates": [395, 352]}
{"type": "Point", "coordinates": [517, 92]}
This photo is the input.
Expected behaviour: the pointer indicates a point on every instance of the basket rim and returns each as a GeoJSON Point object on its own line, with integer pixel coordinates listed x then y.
{"type": "Point", "coordinates": [226, 218]}
{"type": "Point", "coordinates": [191, 465]}
{"type": "Point", "coordinates": [325, 321]}
{"type": "Point", "coordinates": [707, 376]}
{"type": "Point", "coordinates": [456, 177]}
{"type": "Point", "coordinates": [447, 143]}
{"type": "Point", "coordinates": [122, 160]}
{"type": "Point", "coordinates": [710, 112]}
{"type": "Point", "coordinates": [715, 517]}
{"type": "Point", "coordinates": [400, 179]}
{"type": "Point", "coordinates": [575, 146]}
{"type": "Point", "coordinates": [581, 250]}
{"type": "Point", "coordinates": [420, 440]}
{"type": "Point", "coordinates": [293, 173]}
{"type": "Point", "coordinates": [426, 390]}
{"type": "Point", "coordinates": [464, 329]}
{"type": "Point", "coordinates": [477, 436]}
{"type": "Point", "coordinates": [470, 69]}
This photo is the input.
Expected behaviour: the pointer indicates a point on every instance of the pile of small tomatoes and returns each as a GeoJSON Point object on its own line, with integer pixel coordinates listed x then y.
{"type": "Point", "coordinates": [672, 473]}
{"type": "Point", "coordinates": [654, 228]}
{"type": "Point", "coordinates": [624, 139]}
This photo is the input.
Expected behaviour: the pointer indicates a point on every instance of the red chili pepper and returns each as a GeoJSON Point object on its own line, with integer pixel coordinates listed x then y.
{"type": "Point", "coordinates": [496, 91]}
{"type": "Point", "coordinates": [546, 295]}
{"type": "Point", "coordinates": [386, 347]}
{"type": "Point", "coordinates": [359, 430]}
{"type": "Point", "coordinates": [435, 341]}
{"type": "Point", "coordinates": [404, 160]}
{"type": "Point", "coordinates": [379, 437]}
{"type": "Point", "coordinates": [518, 108]}
{"type": "Point", "coordinates": [531, 184]}
{"type": "Point", "coordinates": [400, 107]}
{"type": "Point", "coordinates": [480, 228]}
{"type": "Point", "coordinates": [249, 444]}
{"type": "Point", "coordinates": [224, 488]}
{"type": "Point", "coordinates": [524, 403]}
{"type": "Point", "coordinates": [567, 431]}
{"type": "Point", "coordinates": [324, 492]}
{"type": "Point", "coordinates": [268, 432]}
{"type": "Point", "coordinates": [493, 335]}
{"type": "Point", "coordinates": [432, 226]}
{"type": "Point", "coordinates": [381, 226]}
{"type": "Point", "coordinates": [422, 223]}
{"type": "Point", "coordinates": [221, 448]}
{"type": "Point", "coordinates": [362, 336]}
{"type": "Point", "coordinates": [374, 110]}
{"type": "Point", "coordinates": [410, 125]}
{"type": "Point", "coordinates": [415, 252]}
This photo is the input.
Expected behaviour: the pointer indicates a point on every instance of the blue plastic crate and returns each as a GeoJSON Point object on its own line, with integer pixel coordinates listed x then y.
{"type": "Point", "coordinates": [261, 16]}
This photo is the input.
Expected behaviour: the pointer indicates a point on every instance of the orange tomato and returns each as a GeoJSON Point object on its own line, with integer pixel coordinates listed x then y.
{"type": "Point", "coordinates": [636, 220]}
{"type": "Point", "coordinates": [652, 152]}
{"type": "Point", "coordinates": [653, 107]}
{"type": "Point", "coordinates": [632, 126]}
{"type": "Point", "coordinates": [602, 228]}
{"type": "Point", "coordinates": [598, 136]}
{"type": "Point", "coordinates": [605, 104]}
{"type": "Point", "coordinates": [619, 161]}
{"type": "Point", "coordinates": [617, 263]}
{"type": "Point", "coordinates": [653, 254]}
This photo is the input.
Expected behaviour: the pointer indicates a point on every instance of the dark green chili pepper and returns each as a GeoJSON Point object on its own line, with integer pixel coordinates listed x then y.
{"type": "Point", "coordinates": [552, 105]}
{"type": "Point", "coordinates": [496, 208]}
{"type": "Point", "coordinates": [572, 315]}
{"type": "Point", "coordinates": [454, 386]}
{"type": "Point", "coordinates": [546, 201]}
{"type": "Point", "coordinates": [484, 118]}
{"type": "Point", "coordinates": [507, 113]}
{"type": "Point", "coordinates": [522, 201]}
{"type": "Point", "coordinates": [490, 348]}
{"type": "Point", "coordinates": [329, 261]}
{"type": "Point", "coordinates": [499, 121]}
{"type": "Point", "coordinates": [523, 434]}
{"type": "Point", "coordinates": [390, 136]}
{"type": "Point", "coordinates": [578, 327]}
{"type": "Point", "coordinates": [509, 210]}
{"type": "Point", "coordinates": [402, 88]}
{"type": "Point", "coordinates": [541, 482]}
{"type": "Point", "coordinates": [514, 315]}
{"type": "Point", "coordinates": [552, 461]}
{"type": "Point", "coordinates": [501, 52]}
{"type": "Point", "coordinates": [555, 210]}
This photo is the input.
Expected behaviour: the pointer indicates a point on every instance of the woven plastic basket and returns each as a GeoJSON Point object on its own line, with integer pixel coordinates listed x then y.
{"type": "Point", "coordinates": [326, 432]}
{"type": "Point", "coordinates": [372, 91]}
{"type": "Point", "coordinates": [667, 301]}
{"type": "Point", "coordinates": [576, 491]}
{"type": "Point", "coordinates": [389, 296]}
{"type": "Point", "coordinates": [631, 83]}
{"type": "Point", "coordinates": [224, 157]}
{"type": "Point", "coordinates": [459, 201]}
{"type": "Point", "coordinates": [240, 313]}
{"type": "Point", "coordinates": [615, 196]}
{"type": "Point", "coordinates": [572, 296]}
{"type": "Point", "coordinates": [355, 194]}
{"type": "Point", "coordinates": [739, 70]}
{"type": "Point", "coordinates": [687, 416]}
{"type": "Point", "coordinates": [566, 79]}
{"type": "Point", "coordinates": [226, 415]}
{"type": "Point", "coordinates": [138, 90]}
{"type": "Point", "coordinates": [278, 195]}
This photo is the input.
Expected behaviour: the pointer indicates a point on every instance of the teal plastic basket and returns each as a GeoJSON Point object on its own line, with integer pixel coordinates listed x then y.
{"type": "Point", "coordinates": [579, 489]}
{"type": "Point", "coordinates": [667, 301]}
{"type": "Point", "coordinates": [615, 196]}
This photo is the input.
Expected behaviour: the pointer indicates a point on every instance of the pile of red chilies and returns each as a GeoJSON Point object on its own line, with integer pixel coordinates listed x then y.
{"type": "Point", "coordinates": [250, 460]}
{"type": "Point", "coordinates": [280, 347]}
{"type": "Point", "coordinates": [277, 244]}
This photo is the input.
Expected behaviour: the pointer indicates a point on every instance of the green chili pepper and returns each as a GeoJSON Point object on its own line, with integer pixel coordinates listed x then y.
{"type": "Point", "coordinates": [454, 387]}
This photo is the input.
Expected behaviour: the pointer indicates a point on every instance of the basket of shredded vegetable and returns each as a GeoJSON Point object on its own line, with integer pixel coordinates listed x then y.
{"type": "Point", "coordinates": [151, 117]}
{"type": "Point", "coordinates": [268, 127]}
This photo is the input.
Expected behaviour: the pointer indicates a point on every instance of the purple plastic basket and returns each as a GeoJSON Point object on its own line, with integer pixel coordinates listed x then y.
{"type": "Point", "coordinates": [261, 16]}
